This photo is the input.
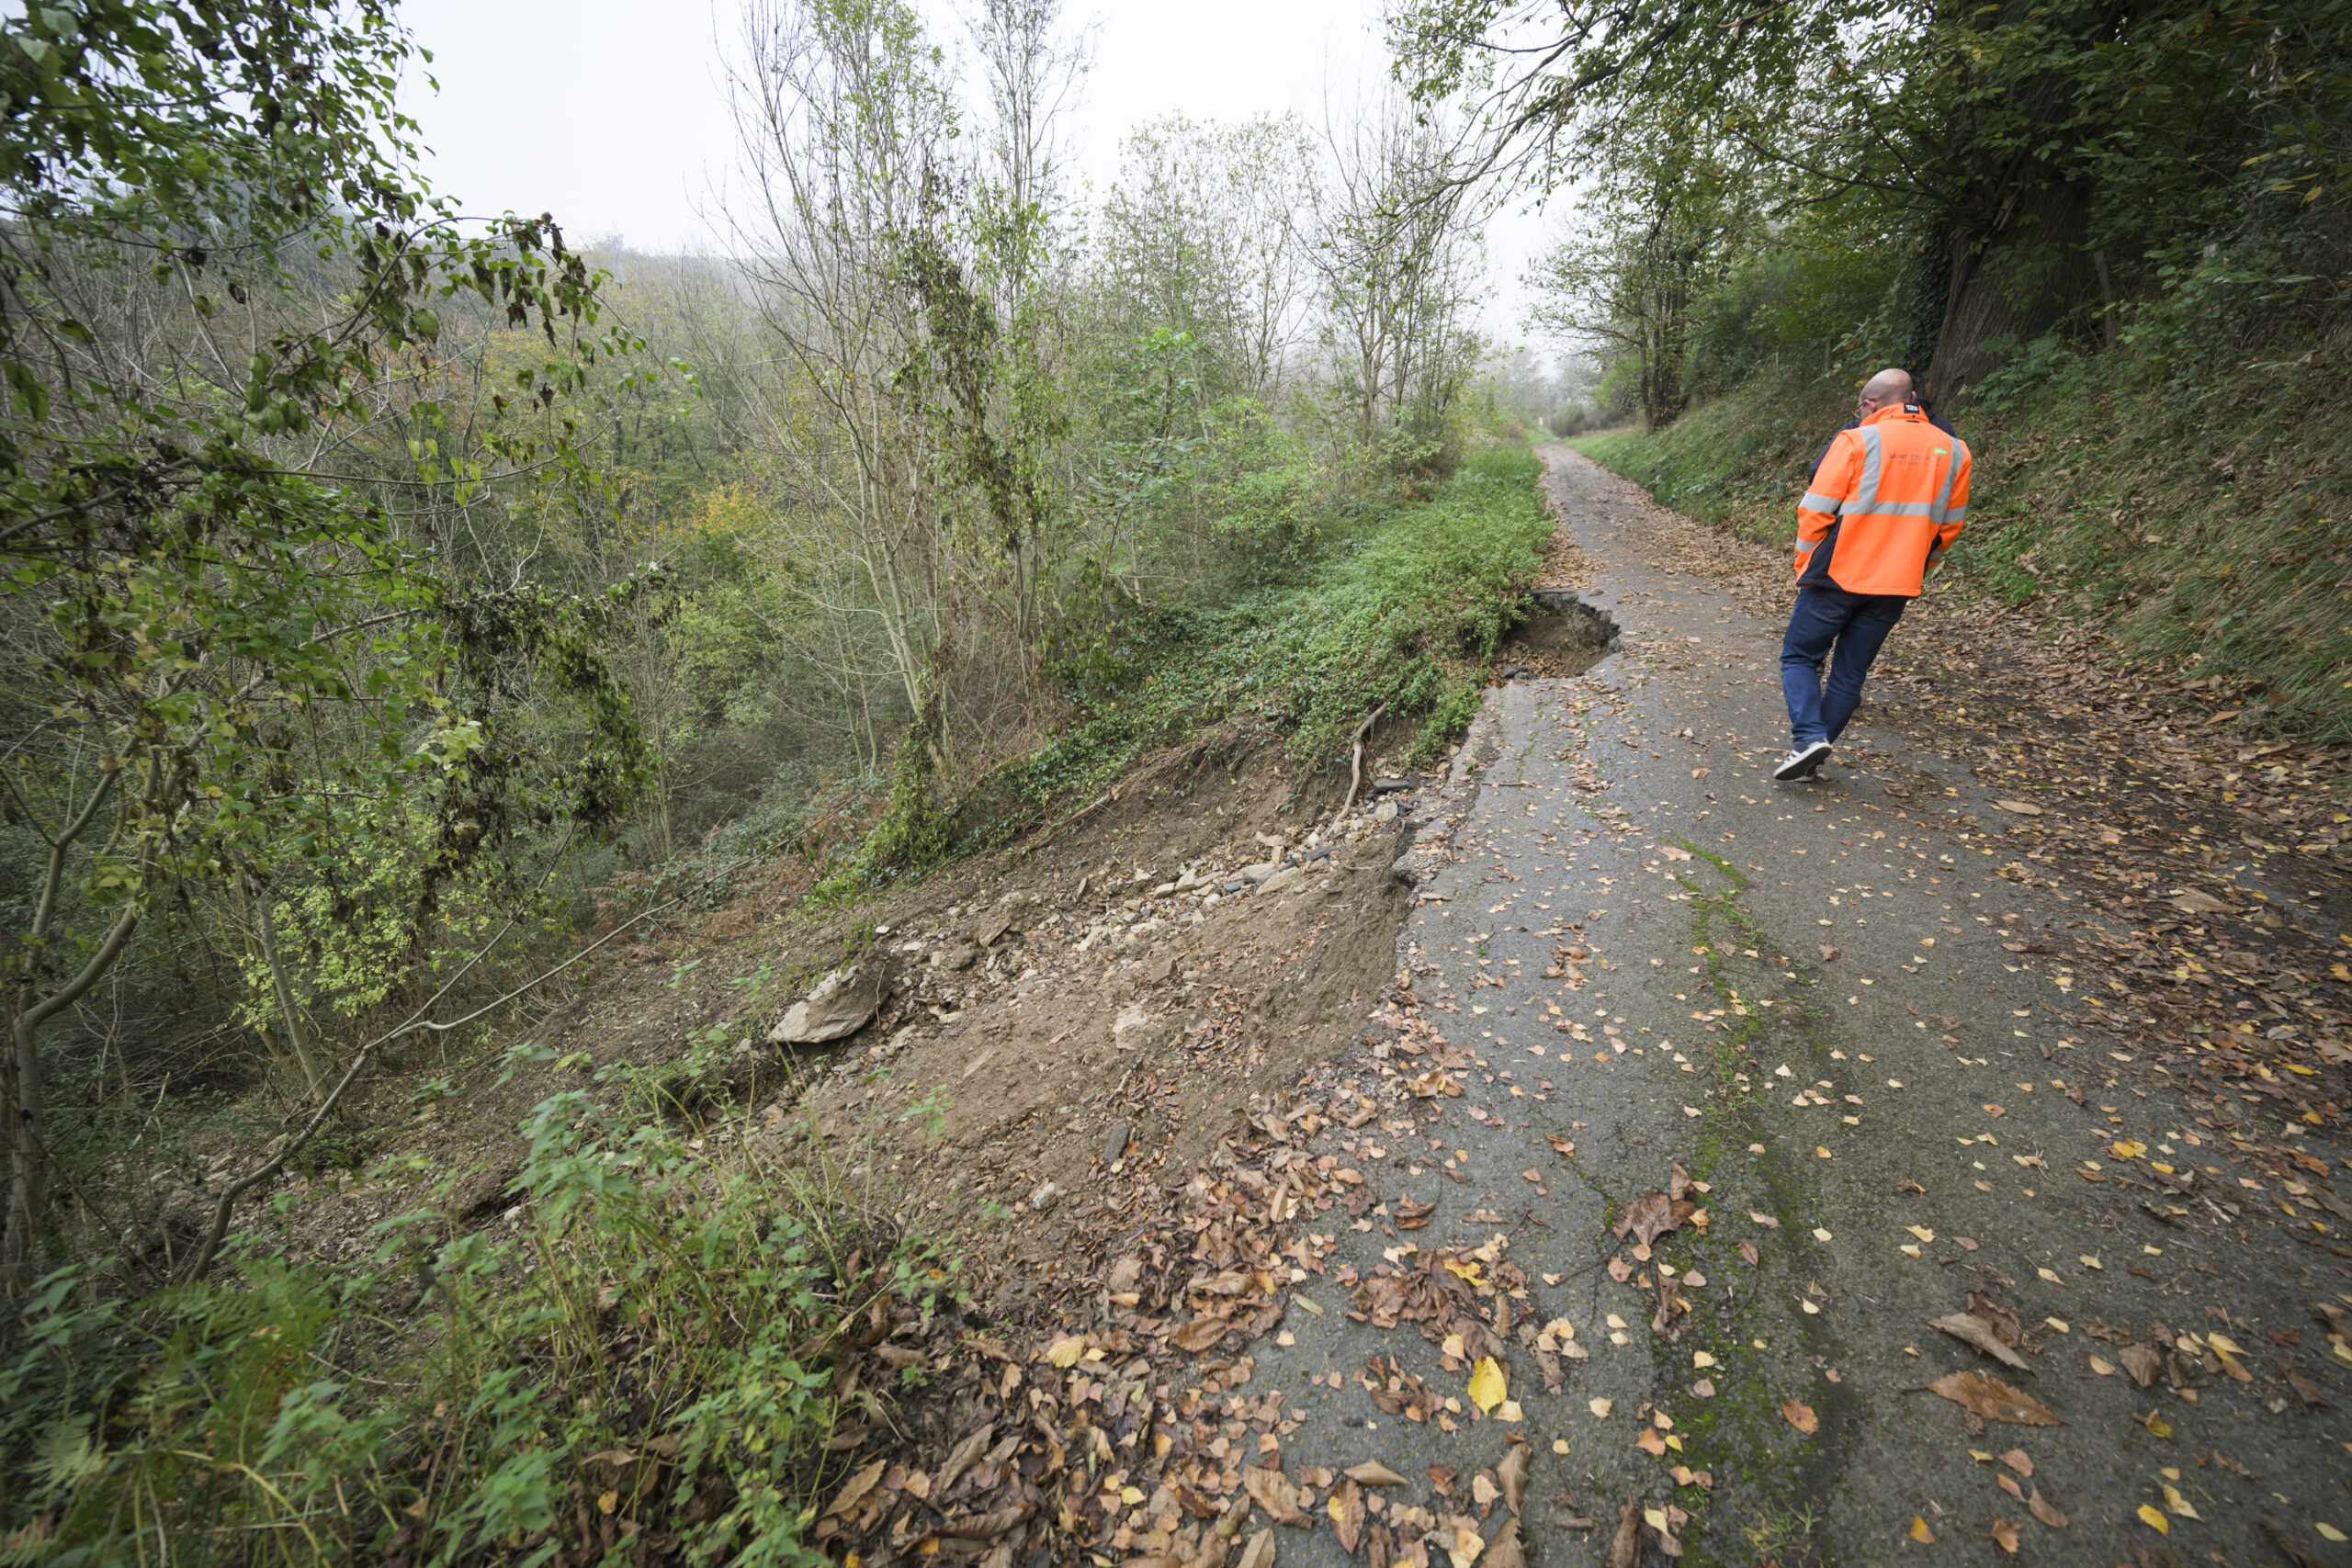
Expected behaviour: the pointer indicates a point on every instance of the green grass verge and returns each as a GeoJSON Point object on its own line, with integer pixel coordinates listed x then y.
{"type": "Point", "coordinates": [1403, 605]}
{"type": "Point", "coordinates": [2204, 521]}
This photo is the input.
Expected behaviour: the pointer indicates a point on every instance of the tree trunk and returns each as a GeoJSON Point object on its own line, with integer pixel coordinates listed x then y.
{"type": "Point", "coordinates": [20, 1103]}
{"type": "Point", "coordinates": [314, 1081]}
{"type": "Point", "coordinates": [2012, 281]}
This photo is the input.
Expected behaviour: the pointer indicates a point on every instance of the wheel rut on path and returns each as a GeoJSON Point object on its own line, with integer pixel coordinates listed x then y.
{"type": "Point", "coordinates": [1650, 965]}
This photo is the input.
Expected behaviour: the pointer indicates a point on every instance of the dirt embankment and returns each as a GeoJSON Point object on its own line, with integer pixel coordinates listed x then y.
{"type": "Point", "coordinates": [1060, 1026]}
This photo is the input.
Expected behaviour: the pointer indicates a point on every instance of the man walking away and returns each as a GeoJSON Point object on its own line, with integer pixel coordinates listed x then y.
{"type": "Point", "coordinates": [1888, 498]}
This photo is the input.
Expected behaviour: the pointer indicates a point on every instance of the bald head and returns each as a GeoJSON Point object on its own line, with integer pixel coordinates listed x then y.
{"type": "Point", "coordinates": [1885, 389]}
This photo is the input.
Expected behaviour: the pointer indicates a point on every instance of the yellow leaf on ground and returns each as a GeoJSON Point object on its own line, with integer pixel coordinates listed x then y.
{"type": "Point", "coordinates": [1066, 1351]}
{"type": "Point", "coordinates": [2129, 1149]}
{"type": "Point", "coordinates": [1488, 1386]}
{"type": "Point", "coordinates": [1921, 1532]}
{"type": "Point", "coordinates": [2153, 1521]}
{"type": "Point", "coordinates": [2176, 1504]}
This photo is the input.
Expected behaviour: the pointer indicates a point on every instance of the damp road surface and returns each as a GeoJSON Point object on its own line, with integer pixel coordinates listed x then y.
{"type": "Point", "coordinates": [1820, 1001]}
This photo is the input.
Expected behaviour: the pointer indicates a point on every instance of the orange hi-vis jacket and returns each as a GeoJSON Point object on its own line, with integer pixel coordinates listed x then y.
{"type": "Point", "coordinates": [1887, 500]}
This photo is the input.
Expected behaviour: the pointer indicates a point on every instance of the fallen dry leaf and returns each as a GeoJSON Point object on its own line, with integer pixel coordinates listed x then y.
{"type": "Point", "coordinates": [1975, 1331]}
{"type": "Point", "coordinates": [1651, 1215]}
{"type": "Point", "coordinates": [1626, 1550]}
{"type": "Point", "coordinates": [1512, 1473]}
{"type": "Point", "coordinates": [1199, 1334]}
{"type": "Point", "coordinates": [1650, 1442]}
{"type": "Point", "coordinates": [1828, 954]}
{"type": "Point", "coordinates": [988, 1526]}
{"type": "Point", "coordinates": [2022, 809]}
{"type": "Point", "coordinates": [1800, 1416]}
{"type": "Point", "coordinates": [1346, 1508]}
{"type": "Point", "coordinates": [2143, 1360]}
{"type": "Point", "coordinates": [1269, 1491]}
{"type": "Point", "coordinates": [1748, 1255]}
{"type": "Point", "coordinates": [2006, 1534]}
{"type": "Point", "coordinates": [1372, 1472]}
{"type": "Point", "coordinates": [1504, 1550]}
{"type": "Point", "coordinates": [1066, 1351]}
{"type": "Point", "coordinates": [2295, 1551]}
{"type": "Point", "coordinates": [1461, 1540]}
{"type": "Point", "coordinates": [2049, 1513]}
{"type": "Point", "coordinates": [1489, 1387]}
{"type": "Point", "coordinates": [1259, 1552]}
{"type": "Point", "coordinates": [2153, 1519]}
{"type": "Point", "coordinates": [1767, 1220]}
{"type": "Point", "coordinates": [1996, 1317]}
{"type": "Point", "coordinates": [854, 1489]}
{"type": "Point", "coordinates": [1921, 1532]}
{"type": "Point", "coordinates": [1993, 1399]}
{"type": "Point", "coordinates": [1412, 1216]}
{"type": "Point", "coordinates": [2021, 1461]}
{"type": "Point", "coordinates": [960, 1458]}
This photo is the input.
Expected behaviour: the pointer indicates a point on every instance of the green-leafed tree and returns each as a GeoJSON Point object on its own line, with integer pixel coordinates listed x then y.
{"type": "Point", "coordinates": [2038, 152]}
{"type": "Point", "coordinates": [228, 668]}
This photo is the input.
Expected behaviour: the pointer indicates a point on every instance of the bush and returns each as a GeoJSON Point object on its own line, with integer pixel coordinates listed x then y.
{"type": "Point", "coordinates": [643, 1338]}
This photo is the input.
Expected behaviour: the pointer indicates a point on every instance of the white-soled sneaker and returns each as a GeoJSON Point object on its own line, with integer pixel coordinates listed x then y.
{"type": "Point", "coordinates": [1802, 762]}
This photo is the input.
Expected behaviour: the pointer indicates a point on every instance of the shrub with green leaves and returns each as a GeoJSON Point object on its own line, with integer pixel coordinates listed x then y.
{"type": "Point", "coordinates": [651, 1305]}
{"type": "Point", "coordinates": [1403, 605]}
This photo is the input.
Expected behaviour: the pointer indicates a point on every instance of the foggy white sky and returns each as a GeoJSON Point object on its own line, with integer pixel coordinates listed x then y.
{"type": "Point", "coordinates": [613, 117]}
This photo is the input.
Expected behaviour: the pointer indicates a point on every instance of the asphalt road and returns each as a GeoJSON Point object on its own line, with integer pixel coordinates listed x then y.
{"type": "Point", "coordinates": [1900, 1110]}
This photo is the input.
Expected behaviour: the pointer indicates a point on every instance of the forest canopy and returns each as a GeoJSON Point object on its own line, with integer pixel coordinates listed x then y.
{"type": "Point", "coordinates": [1946, 183]}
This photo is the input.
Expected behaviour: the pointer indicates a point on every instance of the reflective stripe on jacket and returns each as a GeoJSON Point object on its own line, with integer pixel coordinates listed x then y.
{"type": "Point", "coordinates": [1889, 498]}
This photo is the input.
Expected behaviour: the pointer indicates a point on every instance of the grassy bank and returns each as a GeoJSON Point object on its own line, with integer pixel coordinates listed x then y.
{"type": "Point", "coordinates": [2204, 521]}
{"type": "Point", "coordinates": [1400, 608]}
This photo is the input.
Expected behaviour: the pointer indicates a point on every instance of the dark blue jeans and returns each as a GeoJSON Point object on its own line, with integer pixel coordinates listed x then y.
{"type": "Point", "coordinates": [1847, 630]}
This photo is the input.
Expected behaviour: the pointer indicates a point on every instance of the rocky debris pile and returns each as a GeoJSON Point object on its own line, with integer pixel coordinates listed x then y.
{"type": "Point", "coordinates": [924, 975]}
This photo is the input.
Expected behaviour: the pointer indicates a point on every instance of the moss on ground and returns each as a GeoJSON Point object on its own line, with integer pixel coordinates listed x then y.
{"type": "Point", "coordinates": [1763, 1472]}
